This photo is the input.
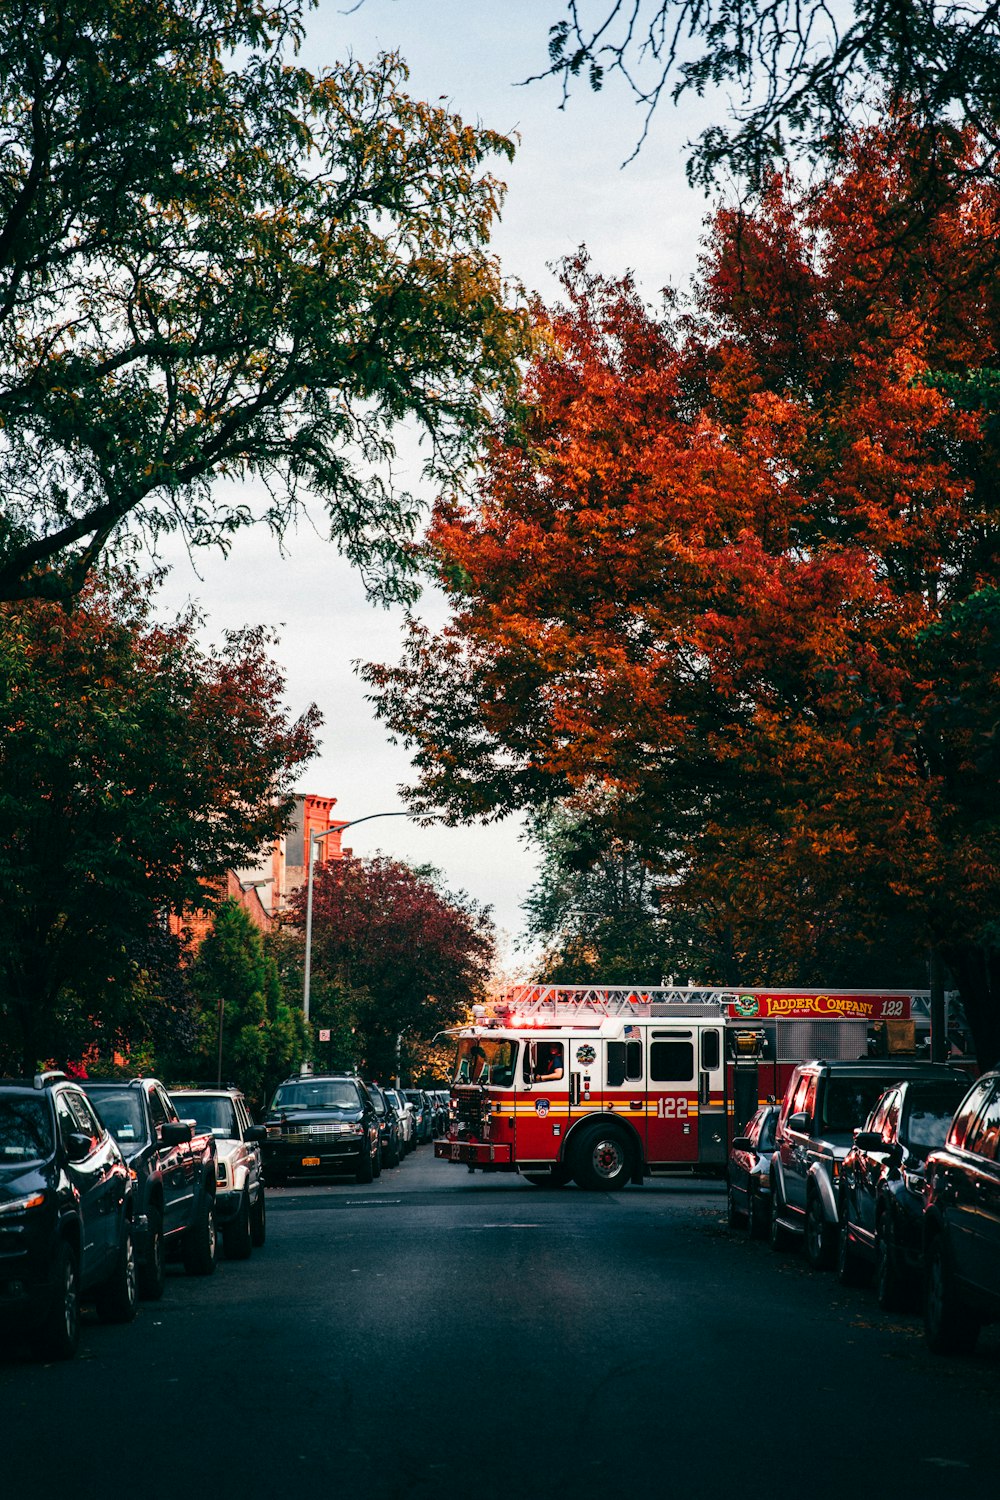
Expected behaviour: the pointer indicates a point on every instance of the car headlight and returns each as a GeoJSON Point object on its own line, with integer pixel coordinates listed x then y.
{"type": "Point", "coordinates": [20, 1205]}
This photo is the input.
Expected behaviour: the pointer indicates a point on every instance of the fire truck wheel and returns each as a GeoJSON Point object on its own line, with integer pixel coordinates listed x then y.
{"type": "Point", "coordinates": [602, 1160]}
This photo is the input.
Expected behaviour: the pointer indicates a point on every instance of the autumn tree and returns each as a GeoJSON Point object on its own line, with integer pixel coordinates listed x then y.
{"type": "Point", "coordinates": [135, 766]}
{"type": "Point", "coordinates": [263, 1036]}
{"type": "Point", "coordinates": [796, 74]}
{"type": "Point", "coordinates": [407, 957]}
{"type": "Point", "coordinates": [214, 263]}
{"type": "Point", "coordinates": [735, 571]}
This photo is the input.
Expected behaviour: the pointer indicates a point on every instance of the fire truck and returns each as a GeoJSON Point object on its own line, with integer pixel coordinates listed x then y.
{"type": "Point", "coordinates": [610, 1085]}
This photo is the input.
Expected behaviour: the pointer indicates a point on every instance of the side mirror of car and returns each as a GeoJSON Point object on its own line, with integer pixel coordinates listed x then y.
{"type": "Point", "coordinates": [799, 1121]}
{"type": "Point", "coordinates": [77, 1145]}
{"type": "Point", "coordinates": [869, 1140]}
{"type": "Point", "coordinates": [257, 1133]}
{"type": "Point", "coordinates": [742, 1143]}
{"type": "Point", "coordinates": [174, 1133]}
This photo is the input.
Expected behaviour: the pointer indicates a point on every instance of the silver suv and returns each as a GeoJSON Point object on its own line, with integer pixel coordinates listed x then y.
{"type": "Point", "coordinates": [824, 1104]}
{"type": "Point", "coordinates": [239, 1201]}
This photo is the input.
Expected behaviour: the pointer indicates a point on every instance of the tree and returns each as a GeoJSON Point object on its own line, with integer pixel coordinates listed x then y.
{"type": "Point", "coordinates": [236, 981]}
{"type": "Point", "coordinates": [411, 957]}
{"type": "Point", "coordinates": [134, 768]}
{"type": "Point", "coordinates": [213, 263]}
{"type": "Point", "coordinates": [802, 74]}
{"type": "Point", "coordinates": [735, 572]}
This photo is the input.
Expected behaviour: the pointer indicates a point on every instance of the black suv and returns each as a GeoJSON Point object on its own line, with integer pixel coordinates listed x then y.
{"type": "Point", "coordinates": [824, 1104]}
{"type": "Point", "coordinates": [321, 1123]}
{"type": "Point", "coordinates": [66, 1208]}
{"type": "Point", "coordinates": [962, 1223]}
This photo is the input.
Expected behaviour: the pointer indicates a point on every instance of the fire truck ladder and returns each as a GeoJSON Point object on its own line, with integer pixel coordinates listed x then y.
{"type": "Point", "coordinates": [533, 1001]}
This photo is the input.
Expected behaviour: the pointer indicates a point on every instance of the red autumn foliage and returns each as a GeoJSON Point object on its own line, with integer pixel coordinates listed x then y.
{"type": "Point", "coordinates": [729, 567]}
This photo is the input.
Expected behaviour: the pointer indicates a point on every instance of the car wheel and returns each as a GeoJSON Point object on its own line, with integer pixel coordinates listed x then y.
{"type": "Point", "coordinates": [821, 1246]}
{"type": "Point", "coordinates": [199, 1242]}
{"type": "Point", "coordinates": [258, 1220]}
{"type": "Point", "coordinates": [950, 1328]}
{"type": "Point", "coordinates": [236, 1240]}
{"type": "Point", "coordinates": [779, 1236]}
{"type": "Point", "coordinates": [850, 1269]}
{"type": "Point", "coordinates": [152, 1274]}
{"type": "Point", "coordinates": [366, 1167]}
{"type": "Point", "coordinates": [602, 1160]}
{"type": "Point", "coordinates": [58, 1333]}
{"type": "Point", "coordinates": [118, 1297]}
{"type": "Point", "coordinates": [757, 1217]}
{"type": "Point", "coordinates": [734, 1217]}
{"type": "Point", "coordinates": [377, 1168]}
{"type": "Point", "coordinates": [893, 1287]}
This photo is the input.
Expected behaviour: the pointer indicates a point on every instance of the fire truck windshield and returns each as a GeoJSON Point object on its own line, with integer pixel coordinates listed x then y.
{"type": "Point", "coordinates": [485, 1060]}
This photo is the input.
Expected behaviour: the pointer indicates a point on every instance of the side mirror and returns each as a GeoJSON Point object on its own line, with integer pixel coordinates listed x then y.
{"type": "Point", "coordinates": [174, 1133]}
{"type": "Point", "coordinates": [799, 1121]}
{"type": "Point", "coordinates": [742, 1143]}
{"type": "Point", "coordinates": [77, 1145]}
{"type": "Point", "coordinates": [257, 1133]}
{"type": "Point", "coordinates": [870, 1140]}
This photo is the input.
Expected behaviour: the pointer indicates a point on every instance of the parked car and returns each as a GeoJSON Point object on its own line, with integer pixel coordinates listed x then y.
{"type": "Point", "coordinates": [824, 1104]}
{"type": "Point", "coordinates": [882, 1187]}
{"type": "Point", "coordinates": [442, 1106]}
{"type": "Point", "coordinates": [323, 1122]}
{"type": "Point", "coordinates": [66, 1213]}
{"type": "Point", "coordinates": [422, 1119]}
{"type": "Point", "coordinates": [407, 1119]}
{"type": "Point", "coordinates": [748, 1175]}
{"type": "Point", "coordinates": [962, 1224]}
{"type": "Point", "coordinates": [174, 1174]}
{"type": "Point", "coordinates": [390, 1130]}
{"type": "Point", "coordinates": [240, 1211]}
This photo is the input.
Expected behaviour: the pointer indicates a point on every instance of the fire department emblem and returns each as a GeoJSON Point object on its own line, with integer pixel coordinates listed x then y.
{"type": "Point", "coordinates": [746, 1005]}
{"type": "Point", "coordinates": [541, 1108]}
{"type": "Point", "coordinates": [585, 1055]}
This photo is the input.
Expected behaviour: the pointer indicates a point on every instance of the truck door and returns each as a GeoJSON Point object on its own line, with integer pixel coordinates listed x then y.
{"type": "Point", "coordinates": [712, 1143]}
{"type": "Point", "coordinates": [543, 1099]}
{"type": "Point", "coordinates": [625, 1080]}
{"type": "Point", "coordinates": [672, 1097]}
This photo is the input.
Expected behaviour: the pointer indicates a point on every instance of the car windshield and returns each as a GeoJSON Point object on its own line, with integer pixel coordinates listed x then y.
{"type": "Point", "coordinates": [849, 1101]}
{"type": "Point", "coordinates": [121, 1112]}
{"type": "Point", "coordinates": [25, 1130]}
{"type": "Point", "coordinates": [485, 1060]}
{"type": "Point", "coordinates": [378, 1099]}
{"type": "Point", "coordinates": [317, 1093]}
{"type": "Point", "coordinates": [928, 1116]}
{"type": "Point", "coordinates": [215, 1115]}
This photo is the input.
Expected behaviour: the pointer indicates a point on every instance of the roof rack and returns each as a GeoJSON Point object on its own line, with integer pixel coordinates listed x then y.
{"type": "Point", "coordinates": [52, 1075]}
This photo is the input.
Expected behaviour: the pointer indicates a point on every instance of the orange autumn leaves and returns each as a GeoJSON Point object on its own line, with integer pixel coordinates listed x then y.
{"type": "Point", "coordinates": [700, 568]}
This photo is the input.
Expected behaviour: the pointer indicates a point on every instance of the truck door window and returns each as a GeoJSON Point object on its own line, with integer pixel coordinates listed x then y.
{"type": "Point", "coordinates": [671, 1062]}
{"type": "Point", "coordinates": [710, 1050]}
{"type": "Point", "coordinates": [624, 1063]}
{"type": "Point", "coordinates": [543, 1062]}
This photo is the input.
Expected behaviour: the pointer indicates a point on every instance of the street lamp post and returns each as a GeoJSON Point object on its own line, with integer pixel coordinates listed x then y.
{"type": "Point", "coordinates": [315, 839]}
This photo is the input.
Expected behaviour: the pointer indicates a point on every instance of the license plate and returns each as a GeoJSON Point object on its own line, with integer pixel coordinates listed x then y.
{"type": "Point", "coordinates": [310, 1161]}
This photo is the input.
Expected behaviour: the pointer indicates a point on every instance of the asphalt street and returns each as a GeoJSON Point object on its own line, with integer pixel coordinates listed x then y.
{"type": "Point", "coordinates": [440, 1333]}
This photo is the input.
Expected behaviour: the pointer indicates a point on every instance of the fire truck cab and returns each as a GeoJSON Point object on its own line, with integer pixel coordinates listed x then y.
{"type": "Point", "coordinates": [610, 1085]}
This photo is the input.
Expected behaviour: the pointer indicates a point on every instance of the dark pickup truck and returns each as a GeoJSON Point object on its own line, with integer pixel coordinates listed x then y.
{"type": "Point", "coordinates": [174, 1173]}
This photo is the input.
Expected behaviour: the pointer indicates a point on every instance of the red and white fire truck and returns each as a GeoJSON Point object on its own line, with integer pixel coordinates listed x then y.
{"type": "Point", "coordinates": [608, 1085]}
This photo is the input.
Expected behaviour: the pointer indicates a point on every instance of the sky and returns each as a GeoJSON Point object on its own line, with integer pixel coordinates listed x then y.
{"type": "Point", "coordinates": [567, 186]}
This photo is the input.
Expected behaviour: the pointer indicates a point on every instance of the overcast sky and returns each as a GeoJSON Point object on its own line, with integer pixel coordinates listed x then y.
{"type": "Point", "coordinates": [566, 187]}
